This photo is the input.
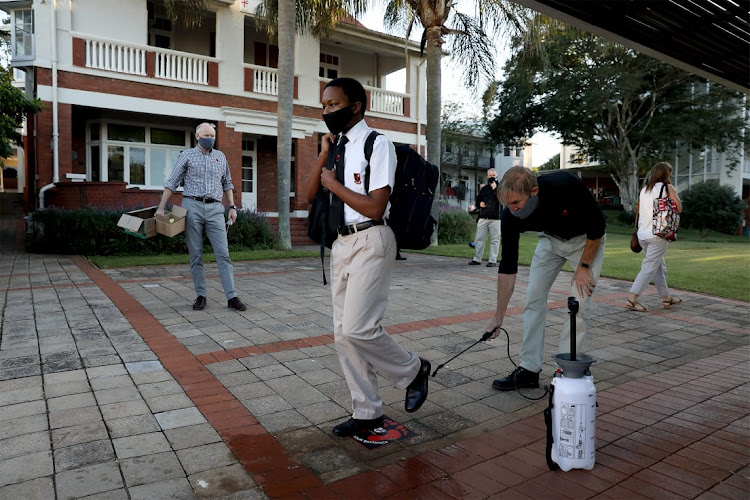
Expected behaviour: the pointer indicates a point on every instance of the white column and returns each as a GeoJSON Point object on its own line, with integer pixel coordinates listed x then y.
{"type": "Point", "coordinates": [230, 36]}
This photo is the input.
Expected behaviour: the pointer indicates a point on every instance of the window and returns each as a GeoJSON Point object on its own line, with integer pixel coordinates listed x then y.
{"type": "Point", "coordinates": [329, 66]}
{"type": "Point", "coordinates": [23, 34]}
{"type": "Point", "coordinates": [519, 151]}
{"type": "Point", "coordinates": [159, 29]}
{"type": "Point", "coordinates": [266, 55]}
{"type": "Point", "coordinates": [506, 151]}
{"type": "Point", "coordinates": [136, 154]}
{"type": "Point", "coordinates": [248, 163]}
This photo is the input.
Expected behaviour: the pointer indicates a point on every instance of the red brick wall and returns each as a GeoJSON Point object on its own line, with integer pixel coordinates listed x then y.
{"type": "Point", "coordinates": [298, 230]}
{"type": "Point", "coordinates": [268, 196]}
{"type": "Point", "coordinates": [229, 142]}
{"type": "Point", "coordinates": [306, 158]}
{"type": "Point", "coordinates": [65, 138]}
{"type": "Point", "coordinates": [72, 195]}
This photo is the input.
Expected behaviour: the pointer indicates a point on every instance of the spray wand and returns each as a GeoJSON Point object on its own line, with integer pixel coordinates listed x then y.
{"type": "Point", "coordinates": [484, 338]}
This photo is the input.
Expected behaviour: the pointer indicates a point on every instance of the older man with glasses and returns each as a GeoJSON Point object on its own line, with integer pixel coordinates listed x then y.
{"type": "Point", "coordinates": [205, 174]}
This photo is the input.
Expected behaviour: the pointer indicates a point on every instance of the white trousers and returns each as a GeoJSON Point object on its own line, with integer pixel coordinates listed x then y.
{"type": "Point", "coordinates": [653, 267]}
{"type": "Point", "coordinates": [549, 257]}
{"type": "Point", "coordinates": [361, 267]}
{"type": "Point", "coordinates": [491, 228]}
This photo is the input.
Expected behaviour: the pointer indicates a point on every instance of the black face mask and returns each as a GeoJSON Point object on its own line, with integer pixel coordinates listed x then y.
{"type": "Point", "coordinates": [337, 120]}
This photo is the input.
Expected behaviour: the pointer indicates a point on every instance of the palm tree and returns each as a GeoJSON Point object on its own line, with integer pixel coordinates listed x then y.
{"type": "Point", "coordinates": [470, 46]}
{"type": "Point", "coordinates": [280, 17]}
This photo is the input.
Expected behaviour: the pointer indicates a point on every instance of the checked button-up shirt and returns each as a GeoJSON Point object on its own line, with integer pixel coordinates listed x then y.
{"type": "Point", "coordinates": [204, 174]}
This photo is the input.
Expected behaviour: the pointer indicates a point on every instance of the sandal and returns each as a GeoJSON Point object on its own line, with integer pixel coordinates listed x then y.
{"type": "Point", "coordinates": [635, 306]}
{"type": "Point", "coordinates": [669, 303]}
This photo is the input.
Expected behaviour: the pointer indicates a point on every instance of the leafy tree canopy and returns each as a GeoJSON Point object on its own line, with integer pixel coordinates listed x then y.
{"type": "Point", "coordinates": [551, 164]}
{"type": "Point", "coordinates": [13, 108]}
{"type": "Point", "coordinates": [709, 206]}
{"type": "Point", "coordinates": [616, 105]}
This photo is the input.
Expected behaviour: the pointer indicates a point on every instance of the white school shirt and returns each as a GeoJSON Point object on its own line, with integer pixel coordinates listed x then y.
{"type": "Point", "coordinates": [646, 211]}
{"type": "Point", "coordinates": [382, 167]}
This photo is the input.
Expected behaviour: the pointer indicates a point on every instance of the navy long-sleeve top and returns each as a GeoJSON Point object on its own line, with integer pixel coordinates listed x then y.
{"type": "Point", "coordinates": [566, 209]}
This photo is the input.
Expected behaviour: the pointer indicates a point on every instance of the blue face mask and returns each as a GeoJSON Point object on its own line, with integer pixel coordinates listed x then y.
{"type": "Point", "coordinates": [207, 143]}
{"type": "Point", "coordinates": [527, 209]}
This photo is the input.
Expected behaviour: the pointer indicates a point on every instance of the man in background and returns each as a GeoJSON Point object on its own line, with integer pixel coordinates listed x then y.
{"type": "Point", "coordinates": [488, 223]}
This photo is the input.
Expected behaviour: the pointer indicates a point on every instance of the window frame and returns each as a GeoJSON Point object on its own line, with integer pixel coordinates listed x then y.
{"type": "Point", "coordinates": [15, 57]}
{"type": "Point", "coordinates": [104, 143]}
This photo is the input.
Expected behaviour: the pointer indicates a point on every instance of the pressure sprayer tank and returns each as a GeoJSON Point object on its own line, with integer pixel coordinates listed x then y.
{"type": "Point", "coordinates": [573, 405]}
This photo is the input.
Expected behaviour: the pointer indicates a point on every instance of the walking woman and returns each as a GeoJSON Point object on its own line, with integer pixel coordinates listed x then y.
{"type": "Point", "coordinates": [654, 266]}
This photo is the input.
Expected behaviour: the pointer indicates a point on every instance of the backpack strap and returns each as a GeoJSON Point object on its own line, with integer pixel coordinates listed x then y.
{"type": "Point", "coordinates": [369, 143]}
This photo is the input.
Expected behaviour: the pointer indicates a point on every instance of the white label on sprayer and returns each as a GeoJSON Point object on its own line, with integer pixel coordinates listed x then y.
{"type": "Point", "coordinates": [572, 431]}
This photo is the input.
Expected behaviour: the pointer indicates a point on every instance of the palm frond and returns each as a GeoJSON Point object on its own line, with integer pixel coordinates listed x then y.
{"type": "Point", "coordinates": [315, 17]}
{"type": "Point", "coordinates": [472, 49]}
{"type": "Point", "coordinates": [189, 12]}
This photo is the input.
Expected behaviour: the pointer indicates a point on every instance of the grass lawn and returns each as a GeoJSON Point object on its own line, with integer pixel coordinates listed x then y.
{"type": "Point", "coordinates": [717, 265]}
{"type": "Point", "coordinates": [720, 268]}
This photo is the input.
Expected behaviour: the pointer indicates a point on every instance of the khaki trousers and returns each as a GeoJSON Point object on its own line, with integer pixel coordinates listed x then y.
{"type": "Point", "coordinates": [361, 267]}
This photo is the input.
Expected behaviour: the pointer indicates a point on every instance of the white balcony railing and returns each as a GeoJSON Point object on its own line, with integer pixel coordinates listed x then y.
{"type": "Point", "coordinates": [180, 66]}
{"type": "Point", "coordinates": [115, 56]}
{"type": "Point", "coordinates": [121, 57]}
{"type": "Point", "coordinates": [265, 80]}
{"type": "Point", "coordinates": [384, 101]}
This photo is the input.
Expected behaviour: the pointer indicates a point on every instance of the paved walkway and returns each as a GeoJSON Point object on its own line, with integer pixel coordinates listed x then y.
{"type": "Point", "coordinates": [111, 386]}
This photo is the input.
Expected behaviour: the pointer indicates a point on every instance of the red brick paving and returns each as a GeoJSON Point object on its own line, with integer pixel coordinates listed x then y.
{"type": "Point", "coordinates": [677, 434]}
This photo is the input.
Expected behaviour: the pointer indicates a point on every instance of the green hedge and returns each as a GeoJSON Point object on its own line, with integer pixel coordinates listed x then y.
{"type": "Point", "coordinates": [95, 232]}
{"type": "Point", "coordinates": [455, 226]}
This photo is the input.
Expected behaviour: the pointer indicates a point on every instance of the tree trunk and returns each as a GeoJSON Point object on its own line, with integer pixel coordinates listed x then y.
{"type": "Point", "coordinates": [433, 48]}
{"type": "Point", "coordinates": [629, 189]}
{"type": "Point", "coordinates": [284, 113]}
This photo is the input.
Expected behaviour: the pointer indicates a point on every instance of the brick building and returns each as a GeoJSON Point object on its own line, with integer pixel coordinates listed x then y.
{"type": "Point", "coordinates": [124, 87]}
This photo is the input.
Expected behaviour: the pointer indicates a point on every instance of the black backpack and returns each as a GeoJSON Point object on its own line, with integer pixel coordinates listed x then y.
{"type": "Point", "coordinates": [411, 198]}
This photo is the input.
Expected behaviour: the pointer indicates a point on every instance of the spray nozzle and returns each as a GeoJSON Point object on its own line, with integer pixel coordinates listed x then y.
{"type": "Point", "coordinates": [573, 305]}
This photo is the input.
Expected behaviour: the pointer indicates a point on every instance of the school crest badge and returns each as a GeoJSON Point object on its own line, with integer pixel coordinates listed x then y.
{"type": "Point", "coordinates": [357, 178]}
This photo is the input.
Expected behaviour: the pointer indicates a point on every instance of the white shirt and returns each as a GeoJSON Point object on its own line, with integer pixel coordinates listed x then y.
{"type": "Point", "coordinates": [382, 167]}
{"type": "Point", "coordinates": [646, 211]}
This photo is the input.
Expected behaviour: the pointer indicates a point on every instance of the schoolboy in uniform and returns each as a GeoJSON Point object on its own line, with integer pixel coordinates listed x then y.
{"type": "Point", "coordinates": [362, 259]}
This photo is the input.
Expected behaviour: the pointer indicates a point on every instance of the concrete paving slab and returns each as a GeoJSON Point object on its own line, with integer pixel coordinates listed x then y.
{"type": "Point", "coordinates": [179, 418]}
{"type": "Point", "coordinates": [90, 480]}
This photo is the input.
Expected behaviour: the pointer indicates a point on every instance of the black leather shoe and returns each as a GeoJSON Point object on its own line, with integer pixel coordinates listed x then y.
{"type": "Point", "coordinates": [491, 264]}
{"type": "Point", "coordinates": [416, 393]}
{"type": "Point", "coordinates": [355, 426]}
{"type": "Point", "coordinates": [518, 379]}
{"type": "Point", "coordinates": [236, 304]}
{"type": "Point", "coordinates": [200, 303]}
{"type": "Point", "coordinates": [400, 257]}
{"type": "Point", "coordinates": [474, 263]}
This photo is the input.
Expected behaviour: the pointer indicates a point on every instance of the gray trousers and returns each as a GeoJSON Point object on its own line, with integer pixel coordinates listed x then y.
{"type": "Point", "coordinates": [208, 217]}
{"type": "Point", "coordinates": [653, 267]}
{"type": "Point", "coordinates": [361, 267]}
{"type": "Point", "coordinates": [549, 257]}
{"type": "Point", "coordinates": [487, 227]}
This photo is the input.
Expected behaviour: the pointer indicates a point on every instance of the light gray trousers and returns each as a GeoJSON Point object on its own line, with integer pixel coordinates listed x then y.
{"type": "Point", "coordinates": [361, 267]}
{"type": "Point", "coordinates": [653, 267]}
{"type": "Point", "coordinates": [208, 217]}
{"type": "Point", "coordinates": [491, 228]}
{"type": "Point", "coordinates": [549, 257]}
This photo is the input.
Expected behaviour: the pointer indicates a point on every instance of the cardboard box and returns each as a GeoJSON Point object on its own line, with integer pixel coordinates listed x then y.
{"type": "Point", "coordinates": [140, 223]}
{"type": "Point", "coordinates": [167, 228]}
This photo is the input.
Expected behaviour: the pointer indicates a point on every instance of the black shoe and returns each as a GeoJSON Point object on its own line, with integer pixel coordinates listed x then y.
{"type": "Point", "coordinates": [355, 426]}
{"type": "Point", "coordinates": [518, 379]}
{"type": "Point", "coordinates": [236, 304]}
{"type": "Point", "coordinates": [474, 263]}
{"type": "Point", "coordinates": [399, 257]}
{"type": "Point", "coordinates": [200, 303]}
{"type": "Point", "coordinates": [491, 264]}
{"type": "Point", "coordinates": [416, 393]}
